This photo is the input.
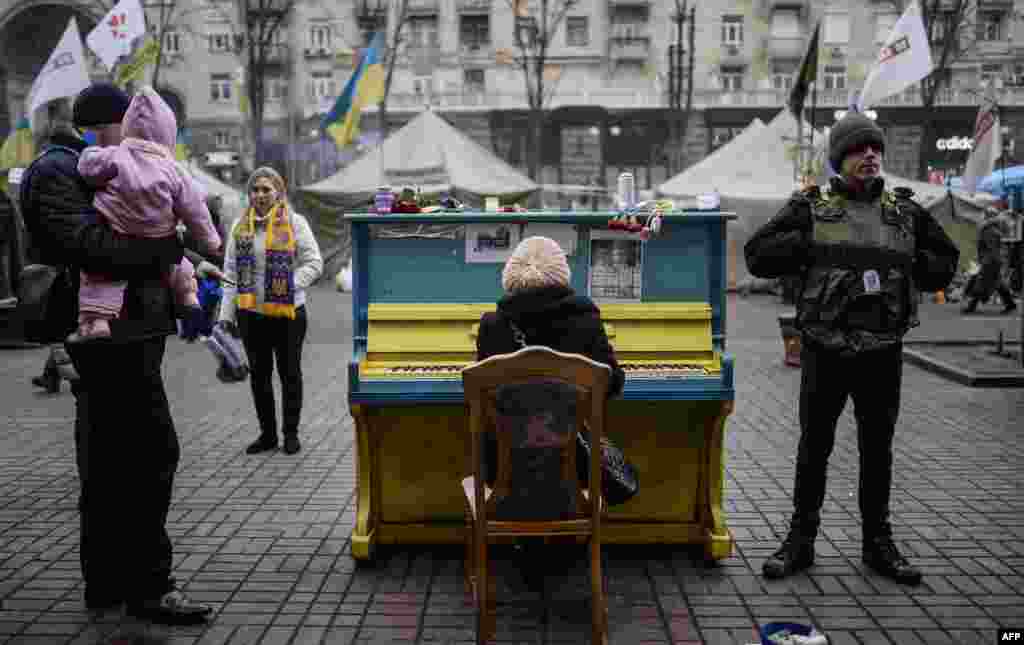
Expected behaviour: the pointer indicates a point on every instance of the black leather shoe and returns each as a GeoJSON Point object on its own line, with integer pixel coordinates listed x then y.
{"type": "Point", "coordinates": [49, 380]}
{"type": "Point", "coordinates": [291, 445]}
{"type": "Point", "coordinates": [795, 555]}
{"type": "Point", "coordinates": [881, 554]}
{"type": "Point", "coordinates": [172, 608]}
{"type": "Point", "coordinates": [263, 444]}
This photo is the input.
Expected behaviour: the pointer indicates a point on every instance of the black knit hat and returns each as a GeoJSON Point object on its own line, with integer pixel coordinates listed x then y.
{"type": "Point", "coordinates": [100, 104]}
{"type": "Point", "coordinates": [853, 130]}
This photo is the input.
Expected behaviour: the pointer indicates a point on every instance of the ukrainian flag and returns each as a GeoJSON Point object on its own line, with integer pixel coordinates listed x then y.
{"type": "Point", "coordinates": [181, 150]}
{"type": "Point", "coordinates": [365, 87]}
{"type": "Point", "coordinates": [18, 150]}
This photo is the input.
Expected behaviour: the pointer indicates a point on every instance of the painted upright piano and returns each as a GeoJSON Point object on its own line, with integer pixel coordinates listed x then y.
{"type": "Point", "coordinates": [420, 283]}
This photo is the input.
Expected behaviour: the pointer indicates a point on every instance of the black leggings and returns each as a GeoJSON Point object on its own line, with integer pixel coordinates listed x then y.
{"type": "Point", "coordinates": [267, 339]}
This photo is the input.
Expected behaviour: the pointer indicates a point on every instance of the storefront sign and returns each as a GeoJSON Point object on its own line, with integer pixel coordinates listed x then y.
{"type": "Point", "coordinates": [955, 143]}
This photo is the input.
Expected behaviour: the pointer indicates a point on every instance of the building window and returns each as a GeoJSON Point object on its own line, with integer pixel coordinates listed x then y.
{"type": "Point", "coordinates": [219, 38]}
{"type": "Point", "coordinates": [884, 22]}
{"type": "Point", "coordinates": [786, 23]}
{"type": "Point", "coordinates": [990, 26]}
{"type": "Point", "coordinates": [732, 30]}
{"type": "Point", "coordinates": [723, 135]}
{"type": "Point", "coordinates": [473, 80]}
{"type": "Point", "coordinates": [475, 31]}
{"type": "Point", "coordinates": [321, 86]}
{"type": "Point", "coordinates": [172, 42]}
{"type": "Point", "coordinates": [370, 23]}
{"type": "Point", "coordinates": [732, 79]}
{"type": "Point", "coordinates": [277, 89]}
{"type": "Point", "coordinates": [220, 88]}
{"type": "Point", "coordinates": [837, 28]}
{"type": "Point", "coordinates": [942, 23]}
{"type": "Point", "coordinates": [320, 37]}
{"type": "Point", "coordinates": [782, 77]}
{"type": "Point", "coordinates": [990, 72]}
{"type": "Point", "coordinates": [221, 138]}
{"type": "Point", "coordinates": [423, 32]}
{"type": "Point", "coordinates": [577, 31]}
{"type": "Point", "coordinates": [835, 77]}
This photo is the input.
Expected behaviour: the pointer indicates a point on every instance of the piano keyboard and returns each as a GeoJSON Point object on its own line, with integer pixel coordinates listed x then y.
{"type": "Point", "coordinates": [633, 370]}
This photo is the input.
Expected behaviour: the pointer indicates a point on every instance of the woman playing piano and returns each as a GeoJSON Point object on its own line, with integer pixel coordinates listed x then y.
{"type": "Point", "coordinates": [540, 308]}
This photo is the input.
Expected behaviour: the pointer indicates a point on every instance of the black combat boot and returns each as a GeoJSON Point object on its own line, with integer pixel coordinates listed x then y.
{"type": "Point", "coordinates": [797, 550]}
{"type": "Point", "coordinates": [880, 553]}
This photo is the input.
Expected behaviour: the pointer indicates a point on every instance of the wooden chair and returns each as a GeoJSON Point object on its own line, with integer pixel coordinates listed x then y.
{"type": "Point", "coordinates": [534, 400]}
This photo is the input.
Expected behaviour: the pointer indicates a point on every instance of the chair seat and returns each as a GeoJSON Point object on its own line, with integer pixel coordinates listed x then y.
{"type": "Point", "coordinates": [469, 488]}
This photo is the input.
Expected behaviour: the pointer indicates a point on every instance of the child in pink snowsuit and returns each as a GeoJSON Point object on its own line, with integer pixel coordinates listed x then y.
{"type": "Point", "coordinates": [143, 192]}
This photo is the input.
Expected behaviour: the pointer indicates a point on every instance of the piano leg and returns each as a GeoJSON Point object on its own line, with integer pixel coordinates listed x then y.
{"type": "Point", "coordinates": [719, 539]}
{"type": "Point", "coordinates": [366, 473]}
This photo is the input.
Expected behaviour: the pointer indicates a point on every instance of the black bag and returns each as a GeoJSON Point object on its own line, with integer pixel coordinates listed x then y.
{"type": "Point", "coordinates": [41, 288]}
{"type": "Point", "coordinates": [619, 479]}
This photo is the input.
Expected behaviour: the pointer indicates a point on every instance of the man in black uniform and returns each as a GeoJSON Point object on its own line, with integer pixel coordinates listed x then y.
{"type": "Point", "coordinates": [126, 446]}
{"type": "Point", "coordinates": [863, 254]}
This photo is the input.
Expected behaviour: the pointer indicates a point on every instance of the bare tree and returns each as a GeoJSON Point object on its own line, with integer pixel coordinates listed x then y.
{"type": "Point", "coordinates": [947, 24]}
{"type": "Point", "coordinates": [534, 32]}
{"type": "Point", "coordinates": [681, 82]}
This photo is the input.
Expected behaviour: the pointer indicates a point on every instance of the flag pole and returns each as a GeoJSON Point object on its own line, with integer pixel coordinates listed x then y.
{"type": "Point", "coordinates": [814, 110]}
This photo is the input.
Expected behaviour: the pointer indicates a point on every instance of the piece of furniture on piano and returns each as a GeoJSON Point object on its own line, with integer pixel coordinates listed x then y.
{"type": "Point", "coordinates": [534, 401]}
{"type": "Point", "coordinates": [416, 305]}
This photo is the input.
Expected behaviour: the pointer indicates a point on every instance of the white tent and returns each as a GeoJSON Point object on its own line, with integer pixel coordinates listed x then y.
{"type": "Point", "coordinates": [708, 172]}
{"type": "Point", "coordinates": [432, 154]}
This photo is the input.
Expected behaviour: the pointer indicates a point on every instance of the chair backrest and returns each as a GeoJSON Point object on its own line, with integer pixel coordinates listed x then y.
{"type": "Point", "coordinates": [535, 401]}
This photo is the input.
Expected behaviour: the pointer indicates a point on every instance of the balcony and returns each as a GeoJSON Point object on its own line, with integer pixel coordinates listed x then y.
{"type": "Point", "coordinates": [318, 52]}
{"type": "Point", "coordinates": [734, 54]}
{"type": "Point", "coordinates": [630, 50]}
{"type": "Point", "coordinates": [786, 48]}
{"type": "Point", "coordinates": [629, 3]}
{"type": "Point", "coordinates": [993, 47]}
{"type": "Point", "coordinates": [424, 7]}
{"type": "Point", "coordinates": [474, 6]}
{"type": "Point", "coordinates": [800, 5]}
{"type": "Point", "coordinates": [476, 52]}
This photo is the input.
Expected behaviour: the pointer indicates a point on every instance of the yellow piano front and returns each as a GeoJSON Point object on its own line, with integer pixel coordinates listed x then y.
{"type": "Point", "coordinates": [413, 446]}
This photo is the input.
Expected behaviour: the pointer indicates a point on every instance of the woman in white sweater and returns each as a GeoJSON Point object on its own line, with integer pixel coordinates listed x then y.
{"type": "Point", "coordinates": [270, 260]}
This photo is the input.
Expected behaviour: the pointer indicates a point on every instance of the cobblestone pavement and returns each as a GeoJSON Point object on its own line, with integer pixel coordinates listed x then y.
{"type": "Point", "coordinates": [265, 538]}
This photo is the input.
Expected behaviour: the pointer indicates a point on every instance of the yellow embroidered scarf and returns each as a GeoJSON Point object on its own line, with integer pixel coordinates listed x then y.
{"type": "Point", "coordinates": [279, 269]}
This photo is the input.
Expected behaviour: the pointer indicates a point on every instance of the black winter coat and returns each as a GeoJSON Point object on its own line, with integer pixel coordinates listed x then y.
{"type": "Point", "coordinates": [67, 232]}
{"type": "Point", "coordinates": [554, 317]}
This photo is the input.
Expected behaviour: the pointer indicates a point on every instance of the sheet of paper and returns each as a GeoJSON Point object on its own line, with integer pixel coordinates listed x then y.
{"type": "Point", "coordinates": [491, 243]}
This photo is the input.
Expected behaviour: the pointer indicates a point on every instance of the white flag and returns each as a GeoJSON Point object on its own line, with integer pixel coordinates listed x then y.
{"type": "Point", "coordinates": [905, 59]}
{"type": "Point", "coordinates": [988, 142]}
{"type": "Point", "coordinates": [65, 72]}
{"type": "Point", "coordinates": [113, 36]}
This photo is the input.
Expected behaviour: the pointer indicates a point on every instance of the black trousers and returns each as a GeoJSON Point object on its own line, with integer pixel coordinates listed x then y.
{"type": "Point", "coordinates": [266, 340]}
{"type": "Point", "coordinates": [873, 381]}
{"type": "Point", "coordinates": [127, 452]}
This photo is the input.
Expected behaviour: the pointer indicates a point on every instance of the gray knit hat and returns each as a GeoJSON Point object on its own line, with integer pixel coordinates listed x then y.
{"type": "Point", "coordinates": [536, 263]}
{"type": "Point", "coordinates": [853, 130]}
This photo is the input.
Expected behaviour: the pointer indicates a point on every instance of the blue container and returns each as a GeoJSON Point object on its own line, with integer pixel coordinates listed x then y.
{"type": "Point", "coordinates": [780, 629]}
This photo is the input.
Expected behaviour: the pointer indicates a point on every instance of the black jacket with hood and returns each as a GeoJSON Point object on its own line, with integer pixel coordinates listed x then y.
{"type": "Point", "coordinates": [67, 232]}
{"type": "Point", "coordinates": [554, 317]}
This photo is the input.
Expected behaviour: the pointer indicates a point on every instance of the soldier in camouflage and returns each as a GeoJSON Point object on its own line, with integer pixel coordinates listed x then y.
{"type": "Point", "coordinates": [863, 253]}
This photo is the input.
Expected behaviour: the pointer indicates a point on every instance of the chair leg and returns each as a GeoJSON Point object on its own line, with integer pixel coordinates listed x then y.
{"type": "Point", "coordinates": [599, 620]}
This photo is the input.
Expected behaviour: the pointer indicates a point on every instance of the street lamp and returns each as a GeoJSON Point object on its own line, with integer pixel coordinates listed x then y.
{"type": "Point", "coordinates": [615, 130]}
{"type": "Point", "coordinates": [840, 114]}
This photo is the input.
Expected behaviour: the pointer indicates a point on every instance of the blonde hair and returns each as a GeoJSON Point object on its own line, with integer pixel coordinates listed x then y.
{"type": "Point", "coordinates": [266, 172]}
{"type": "Point", "coordinates": [537, 262]}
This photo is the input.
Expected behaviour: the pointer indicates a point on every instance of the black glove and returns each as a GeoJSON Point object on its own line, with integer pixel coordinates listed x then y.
{"type": "Point", "coordinates": [229, 327]}
{"type": "Point", "coordinates": [193, 322]}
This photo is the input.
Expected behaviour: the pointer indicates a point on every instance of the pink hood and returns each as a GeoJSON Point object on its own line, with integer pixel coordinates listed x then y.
{"type": "Point", "coordinates": [150, 118]}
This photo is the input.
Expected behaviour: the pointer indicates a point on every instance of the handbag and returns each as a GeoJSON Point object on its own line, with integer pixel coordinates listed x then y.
{"type": "Point", "coordinates": [620, 481]}
{"type": "Point", "coordinates": [229, 354]}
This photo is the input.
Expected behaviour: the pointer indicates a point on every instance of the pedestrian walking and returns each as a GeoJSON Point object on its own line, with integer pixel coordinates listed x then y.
{"type": "Point", "coordinates": [142, 191]}
{"type": "Point", "coordinates": [125, 439]}
{"type": "Point", "coordinates": [270, 261]}
{"type": "Point", "coordinates": [863, 253]}
{"type": "Point", "coordinates": [990, 257]}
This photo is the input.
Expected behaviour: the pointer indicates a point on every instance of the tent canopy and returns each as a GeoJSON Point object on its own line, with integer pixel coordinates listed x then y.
{"type": "Point", "coordinates": [707, 174]}
{"type": "Point", "coordinates": [432, 154]}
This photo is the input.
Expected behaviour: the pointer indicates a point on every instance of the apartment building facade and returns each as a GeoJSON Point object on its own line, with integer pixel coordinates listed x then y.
{"type": "Point", "coordinates": [608, 69]}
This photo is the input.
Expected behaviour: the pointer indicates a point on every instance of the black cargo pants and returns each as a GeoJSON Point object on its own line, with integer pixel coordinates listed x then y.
{"type": "Point", "coordinates": [873, 380]}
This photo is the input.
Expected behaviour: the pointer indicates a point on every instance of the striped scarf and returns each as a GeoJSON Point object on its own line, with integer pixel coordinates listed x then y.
{"type": "Point", "coordinates": [279, 273]}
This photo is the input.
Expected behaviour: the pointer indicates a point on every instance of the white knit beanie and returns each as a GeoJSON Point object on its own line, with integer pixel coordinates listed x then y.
{"type": "Point", "coordinates": [536, 263]}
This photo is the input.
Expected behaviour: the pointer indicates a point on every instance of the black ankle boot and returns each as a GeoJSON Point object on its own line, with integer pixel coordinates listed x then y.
{"type": "Point", "coordinates": [881, 554]}
{"type": "Point", "coordinates": [264, 444]}
{"type": "Point", "coordinates": [795, 555]}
